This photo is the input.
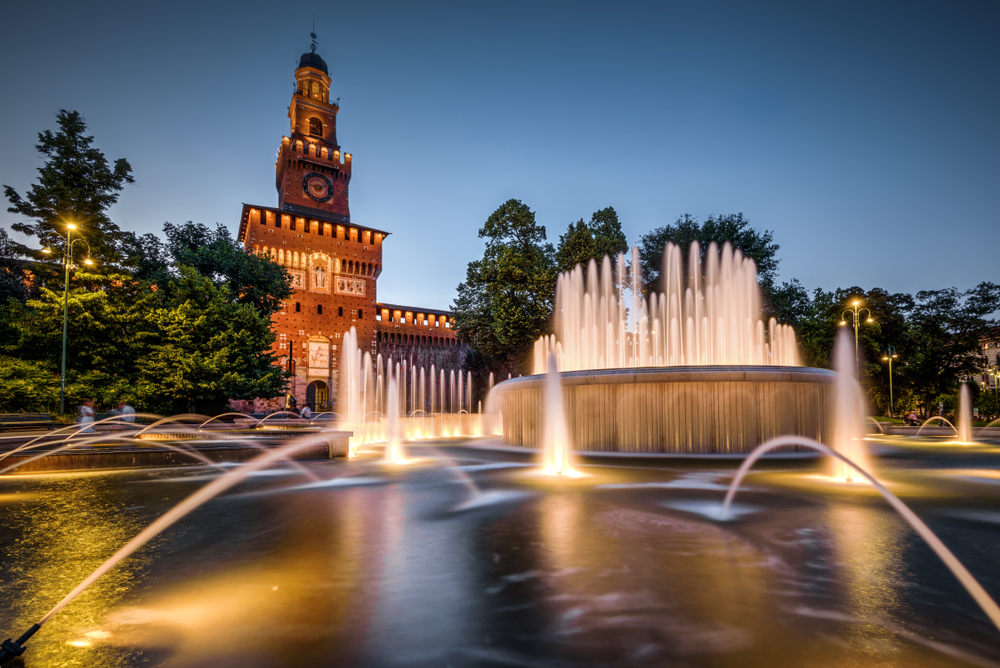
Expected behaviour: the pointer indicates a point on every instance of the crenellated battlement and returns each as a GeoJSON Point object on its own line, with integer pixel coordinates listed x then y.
{"type": "Point", "coordinates": [316, 151]}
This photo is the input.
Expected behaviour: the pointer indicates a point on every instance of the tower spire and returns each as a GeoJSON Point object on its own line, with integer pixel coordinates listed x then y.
{"type": "Point", "coordinates": [313, 35]}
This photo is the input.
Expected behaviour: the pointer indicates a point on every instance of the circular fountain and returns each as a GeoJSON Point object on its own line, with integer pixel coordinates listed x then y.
{"type": "Point", "coordinates": [694, 369]}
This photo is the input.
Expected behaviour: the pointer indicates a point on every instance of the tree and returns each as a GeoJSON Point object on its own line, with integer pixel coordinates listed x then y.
{"type": "Point", "coordinates": [13, 280]}
{"type": "Point", "coordinates": [211, 349]}
{"type": "Point", "coordinates": [506, 299]}
{"type": "Point", "coordinates": [948, 327]}
{"type": "Point", "coordinates": [75, 185]}
{"type": "Point", "coordinates": [591, 241]}
{"type": "Point", "coordinates": [252, 279]}
{"type": "Point", "coordinates": [734, 228]}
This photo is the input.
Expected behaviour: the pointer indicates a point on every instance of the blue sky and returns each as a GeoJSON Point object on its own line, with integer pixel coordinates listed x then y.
{"type": "Point", "coordinates": [865, 135]}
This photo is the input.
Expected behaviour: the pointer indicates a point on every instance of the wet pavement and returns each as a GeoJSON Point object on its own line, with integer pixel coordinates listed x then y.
{"type": "Point", "coordinates": [469, 557]}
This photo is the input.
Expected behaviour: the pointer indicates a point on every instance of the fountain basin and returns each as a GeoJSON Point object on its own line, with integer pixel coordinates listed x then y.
{"type": "Point", "coordinates": [685, 410]}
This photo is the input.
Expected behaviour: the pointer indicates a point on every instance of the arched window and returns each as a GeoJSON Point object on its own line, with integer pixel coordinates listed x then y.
{"type": "Point", "coordinates": [315, 127]}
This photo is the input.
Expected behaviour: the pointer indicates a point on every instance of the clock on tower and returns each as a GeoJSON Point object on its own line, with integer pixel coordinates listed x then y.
{"type": "Point", "coordinates": [312, 174]}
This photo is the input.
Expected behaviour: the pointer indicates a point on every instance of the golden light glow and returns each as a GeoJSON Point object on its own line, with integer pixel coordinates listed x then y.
{"type": "Point", "coordinates": [71, 226]}
{"type": "Point", "coordinates": [856, 303]}
{"type": "Point", "coordinates": [842, 323]}
{"type": "Point", "coordinates": [47, 250]}
{"type": "Point", "coordinates": [88, 261]}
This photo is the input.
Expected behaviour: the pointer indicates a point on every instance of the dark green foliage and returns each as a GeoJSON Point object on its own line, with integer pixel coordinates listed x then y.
{"type": "Point", "coordinates": [75, 185]}
{"type": "Point", "coordinates": [252, 279]}
{"type": "Point", "coordinates": [949, 326]}
{"type": "Point", "coordinates": [506, 299]}
{"type": "Point", "coordinates": [734, 228]}
{"type": "Point", "coordinates": [586, 241]}
{"type": "Point", "coordinates": [13, 283]}
{"type": "Point", "coordinates": [211, 348]}
{"type": "Point", "coordinates": [936, 336]}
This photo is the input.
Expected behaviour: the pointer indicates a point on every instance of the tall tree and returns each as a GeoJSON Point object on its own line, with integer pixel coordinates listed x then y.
{"type": "Point", "coordinates": [586, 241]}
{"type": "Point", "coordinates": [252, 279]}
{"type": "Point", "coordinates": [77, 185]}
{"type": "Point", "coordinates": [949, 326]}
{"type": "Point", "coordinates": [735, 228]}
{"type": "Point", "coordinates": [13, 280]}
{"type": "Point", "coordinates": [506, 299]}
{"type": "Point", "coordinates": [210, 349]}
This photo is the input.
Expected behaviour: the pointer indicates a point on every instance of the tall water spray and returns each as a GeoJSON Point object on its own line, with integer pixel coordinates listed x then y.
{"type": "Point", "coordinates": [708, 314]}
{"type": "Point", "coordinates": [964, 415]}
{"type": "Point", "coordinates": [394, 432]}
{"type": "Point", "coordinates": [351, 391]}
{"type": "Point", "coordinates": [556, 448]}
{"type": "Point", "coordinates": [848, 411]}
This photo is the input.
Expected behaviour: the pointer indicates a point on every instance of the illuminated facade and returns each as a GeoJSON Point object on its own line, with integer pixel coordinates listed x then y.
{"type": "Point", "coordinates": [334, 263]}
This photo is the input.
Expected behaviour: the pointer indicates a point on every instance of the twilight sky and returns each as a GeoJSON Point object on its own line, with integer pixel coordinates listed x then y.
{"type": "Point", "coordinates": [866, 135]}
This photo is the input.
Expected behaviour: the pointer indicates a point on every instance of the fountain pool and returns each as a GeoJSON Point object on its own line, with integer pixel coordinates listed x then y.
{"type": "Point", "coordinates": [616, 568]}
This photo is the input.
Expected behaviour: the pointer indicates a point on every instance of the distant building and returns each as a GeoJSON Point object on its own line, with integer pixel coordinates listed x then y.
{"type": "Point", "coordinates": [991, 350]}
{"type": "Point", "coordinates": [334, 262]}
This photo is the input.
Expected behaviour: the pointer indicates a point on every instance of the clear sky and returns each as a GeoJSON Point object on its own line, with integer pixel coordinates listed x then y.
{"type": "Point", "coordinates": [866, 135]}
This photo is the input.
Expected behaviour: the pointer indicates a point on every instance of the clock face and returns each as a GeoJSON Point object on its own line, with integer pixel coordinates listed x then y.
{"type": "Point", "coordinates": [317, 186]}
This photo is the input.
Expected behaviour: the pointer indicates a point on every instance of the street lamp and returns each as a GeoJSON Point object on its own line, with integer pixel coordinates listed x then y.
{"type": "Point", "coordinates": [67, 264]}
{"type": "Point", "coordinates": [890, 355]}
{"type": "Point", "coordinates": [855, 310]}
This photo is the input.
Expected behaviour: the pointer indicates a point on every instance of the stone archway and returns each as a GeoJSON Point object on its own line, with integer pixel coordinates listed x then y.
{"type": "Point", "coordinates": [318, 396]}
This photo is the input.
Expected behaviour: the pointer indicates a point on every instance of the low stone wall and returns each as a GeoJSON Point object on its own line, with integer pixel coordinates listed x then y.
{"type": "Point", "coordinates": [693, 410]}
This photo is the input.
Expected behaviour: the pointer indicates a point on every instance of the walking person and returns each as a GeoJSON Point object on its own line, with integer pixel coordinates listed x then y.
{"type": "Point", "coordinates": [306, 412]}
{"type": "Point", "coordinates": [86, 416]}
{"type": "Point", "coordinates": [126, 411]}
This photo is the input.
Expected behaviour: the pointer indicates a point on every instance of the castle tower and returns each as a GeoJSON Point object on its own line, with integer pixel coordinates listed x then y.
{"type": "Point", "coordinates": [333, 263]}
{"type": "Point", "coordinates": [311, 175]}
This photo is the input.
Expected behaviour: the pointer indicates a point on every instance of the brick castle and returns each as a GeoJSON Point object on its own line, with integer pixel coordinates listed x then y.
{"type": "Point", "coordinates": [334, 263]}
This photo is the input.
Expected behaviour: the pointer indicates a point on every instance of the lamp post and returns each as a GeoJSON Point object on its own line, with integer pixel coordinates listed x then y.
{"type": "Point", "coordinates": [67, 265]}
{"type": "Point", "coordinates": [890, 355]}
{"type": "Point", "coordinates": [855, 310]}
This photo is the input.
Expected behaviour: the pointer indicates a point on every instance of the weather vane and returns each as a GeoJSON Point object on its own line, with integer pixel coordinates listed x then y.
{"type": "Point", "coordinates": [313, 35]}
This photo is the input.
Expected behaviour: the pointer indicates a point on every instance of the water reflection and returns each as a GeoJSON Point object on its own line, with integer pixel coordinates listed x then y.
{"type": "Point", "coordinates": [64, 527]}
{"type": "Point", "coordinates": [604, 570]}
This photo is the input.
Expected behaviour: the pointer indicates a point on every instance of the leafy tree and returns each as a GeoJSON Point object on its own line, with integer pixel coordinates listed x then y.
{"type": "Point", "coordinates": [13, 280]}
{"type": "Point", "coordinates": [252, 279]}
{"type": "Point", "coordinates": [211, 349]}
{"type": "Point", "coordinates": [948, 327]}
{"type": "Point", "coordinates": [27, 386]}
{"type": "Point", "coordinates": [586, 241]}
{"type": "Point", "coordinates": [146, 257]}
{"type": "Point", "coordinates": [790, 303]}
{"type": "Point", "coordinates": [75, 185]}
{"type": "Point", "coordinates": [734, 228]}
{"type": "Point", "coordinates": [506, 299]}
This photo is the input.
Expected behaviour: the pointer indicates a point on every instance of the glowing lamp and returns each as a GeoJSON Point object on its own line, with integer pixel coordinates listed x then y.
{"type": "Point", "coordinates": [884, 359]}
{"type": "Point", "coordinates": [842, 323]}
{"type": "Point", "coordinates": [47, 250]}
{"type": "Point", "coordinates": [88, 261]}
{"type": "Point", "coordinates": [870, 320]}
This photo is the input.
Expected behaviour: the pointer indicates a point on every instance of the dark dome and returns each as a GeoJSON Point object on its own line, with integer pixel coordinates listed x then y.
{"type": "Point", "coordinates": [312, 59]}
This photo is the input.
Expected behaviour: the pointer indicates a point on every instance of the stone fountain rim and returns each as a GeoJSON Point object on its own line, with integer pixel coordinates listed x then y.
{"type": "Point", "coordinates": [678, 374]}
